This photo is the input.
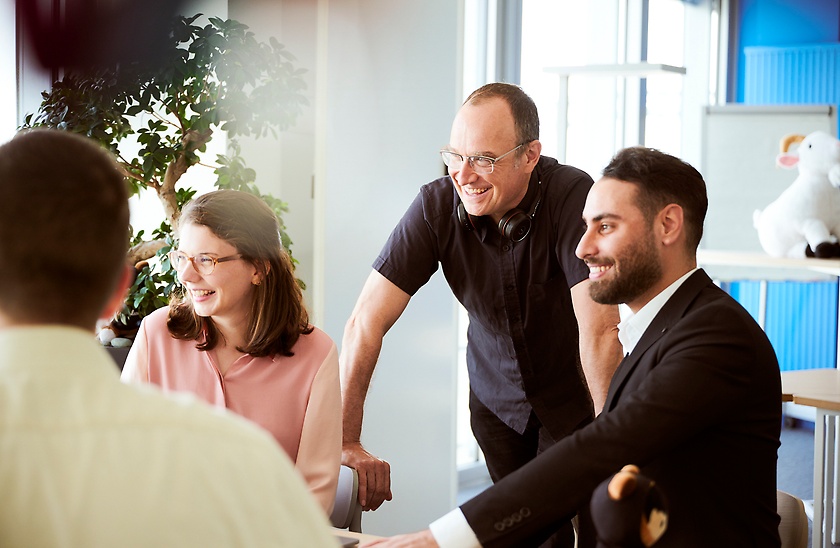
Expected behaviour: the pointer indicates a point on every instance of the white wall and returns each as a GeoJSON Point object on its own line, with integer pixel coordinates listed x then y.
{"type": "Point", "coordinates": [285, 165]}
{"type": "Point", "coordinates": [8, 80]}
{"type": "Point", "coordinates": [32, 78]}
{"type": "Point", "coordinates": [696, 92]}
{"type": "Point", "coordinates": [387, 90]}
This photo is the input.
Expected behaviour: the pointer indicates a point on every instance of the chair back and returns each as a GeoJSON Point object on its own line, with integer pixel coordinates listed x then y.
{"type": "Point", "coordinates": [347, 512]}
{"type": "Point", "coordinates": [793, 529]}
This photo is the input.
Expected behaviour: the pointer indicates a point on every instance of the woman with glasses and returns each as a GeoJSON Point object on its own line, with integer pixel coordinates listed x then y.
{"type": "Point", "coordinates": [239, 335]}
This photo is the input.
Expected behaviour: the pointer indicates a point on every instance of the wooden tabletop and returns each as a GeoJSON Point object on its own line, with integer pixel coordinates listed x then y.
{"type": "Point", "coordinates": [812, 387]}
{"type": "Point", "coordinates": [363, 537]}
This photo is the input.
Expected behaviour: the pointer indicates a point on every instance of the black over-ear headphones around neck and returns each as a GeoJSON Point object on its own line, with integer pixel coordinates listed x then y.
{"type": "Point", "coordinates": [515, 224]}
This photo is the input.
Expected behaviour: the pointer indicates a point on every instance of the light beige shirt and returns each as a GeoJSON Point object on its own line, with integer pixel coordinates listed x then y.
{"type": "Point", "coordinates": [88, 461]}
{"type": "Point", "coordinates": [633, 326]}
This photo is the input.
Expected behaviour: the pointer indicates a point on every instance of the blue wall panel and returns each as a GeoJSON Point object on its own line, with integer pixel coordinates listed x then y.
{"type": "Point", "coordinates": [800, 319]}
{"type": "Point", "coordinates": [801, 323]}
{"type": "Point", "coordinates": [792, 75]}
{"type": "Point", "coordinates": [782, 23]}
{"type": "Point", "coordinates": [747, 293]}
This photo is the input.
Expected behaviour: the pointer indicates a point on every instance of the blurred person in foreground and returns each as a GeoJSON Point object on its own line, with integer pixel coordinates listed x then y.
{"type": "Point", "coordinates": [84, 459]}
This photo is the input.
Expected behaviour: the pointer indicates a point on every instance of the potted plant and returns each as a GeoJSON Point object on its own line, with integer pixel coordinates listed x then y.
{"type": "Point", "coordinates": [216, 77]}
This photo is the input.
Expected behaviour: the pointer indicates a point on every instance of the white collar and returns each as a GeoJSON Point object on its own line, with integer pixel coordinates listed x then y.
{"type": "Point", "coordinates": [633, 326]}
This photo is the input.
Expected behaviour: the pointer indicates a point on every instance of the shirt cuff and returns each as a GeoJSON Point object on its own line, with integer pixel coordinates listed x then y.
{"type": "Point", "coordinates": [453, 531]}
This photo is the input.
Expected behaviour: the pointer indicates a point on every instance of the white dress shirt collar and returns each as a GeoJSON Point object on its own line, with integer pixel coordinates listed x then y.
{"type": "Point", "coordinates": [633, 326]}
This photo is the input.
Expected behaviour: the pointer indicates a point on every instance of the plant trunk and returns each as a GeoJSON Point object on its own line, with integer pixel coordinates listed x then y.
{"type": "Point", "coordinates": [167, 193]}
{"type": "Point", "coordinates": [192, 141]}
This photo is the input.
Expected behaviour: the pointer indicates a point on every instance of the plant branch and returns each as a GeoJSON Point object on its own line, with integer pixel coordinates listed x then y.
{"type": "Point", "coordinates": [168, 121]}
{"type": "Point", "coordinates": [144, 250]}
{"type": "Point", "coordinates": [131, 175]}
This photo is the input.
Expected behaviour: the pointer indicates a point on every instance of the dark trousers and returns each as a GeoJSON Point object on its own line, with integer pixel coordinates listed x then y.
{"type": "Point", "coordinates": [506, 450]}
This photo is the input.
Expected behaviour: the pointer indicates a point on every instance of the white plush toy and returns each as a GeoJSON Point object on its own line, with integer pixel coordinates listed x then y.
{"type": "Point", "coordinates": [804, 221]}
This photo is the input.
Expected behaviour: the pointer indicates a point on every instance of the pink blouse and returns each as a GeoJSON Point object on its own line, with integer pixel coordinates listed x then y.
{"type": "Point", "coordinates": [296, 398]}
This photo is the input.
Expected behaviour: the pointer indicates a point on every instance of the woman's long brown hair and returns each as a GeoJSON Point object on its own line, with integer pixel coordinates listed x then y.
{"type": "Point", "coordinates": [277, 312]}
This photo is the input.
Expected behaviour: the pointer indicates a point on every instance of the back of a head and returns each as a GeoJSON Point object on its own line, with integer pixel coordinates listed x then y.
{"type": "Point", "coordinates": [63, 228]}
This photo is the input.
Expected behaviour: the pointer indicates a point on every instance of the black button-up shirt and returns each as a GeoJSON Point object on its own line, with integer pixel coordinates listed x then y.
{"type": "Point", "coordinates": [522, 350]}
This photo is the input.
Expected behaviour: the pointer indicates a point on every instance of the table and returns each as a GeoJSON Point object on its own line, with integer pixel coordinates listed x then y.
{"type": "Point", "coordinates": [361, 536]}
{"type": "Point", "coordinates": [820, 389]}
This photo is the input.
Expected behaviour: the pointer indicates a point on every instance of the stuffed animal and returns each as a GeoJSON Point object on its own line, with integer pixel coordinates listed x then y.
{"type": "Point", "coordinates": [804, 221]}
{"type": "Point", "coordinates": [629, 510]}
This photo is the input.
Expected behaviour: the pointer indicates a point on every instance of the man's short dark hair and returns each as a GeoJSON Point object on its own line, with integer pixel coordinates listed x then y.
{"type": "Point", "coordinates": [524, 111]}
{"type": "Point", "coordinates": [663, 179]}
{"type": "Point", "coordinates": [63, 228]}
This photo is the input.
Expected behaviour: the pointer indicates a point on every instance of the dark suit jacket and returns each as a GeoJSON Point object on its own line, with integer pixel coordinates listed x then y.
{"type": "Point", "coordinates": [696, 405]}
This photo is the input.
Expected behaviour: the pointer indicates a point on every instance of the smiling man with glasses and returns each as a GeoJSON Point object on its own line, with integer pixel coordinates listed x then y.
{"type": "Point", "coordinates": [503, 226]}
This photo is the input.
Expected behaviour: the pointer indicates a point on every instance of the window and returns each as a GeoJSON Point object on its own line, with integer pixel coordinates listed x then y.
{"type": "Point", "coordinates": [594, 45]}
{"type": "Point", "coordinates": [600, 107]}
